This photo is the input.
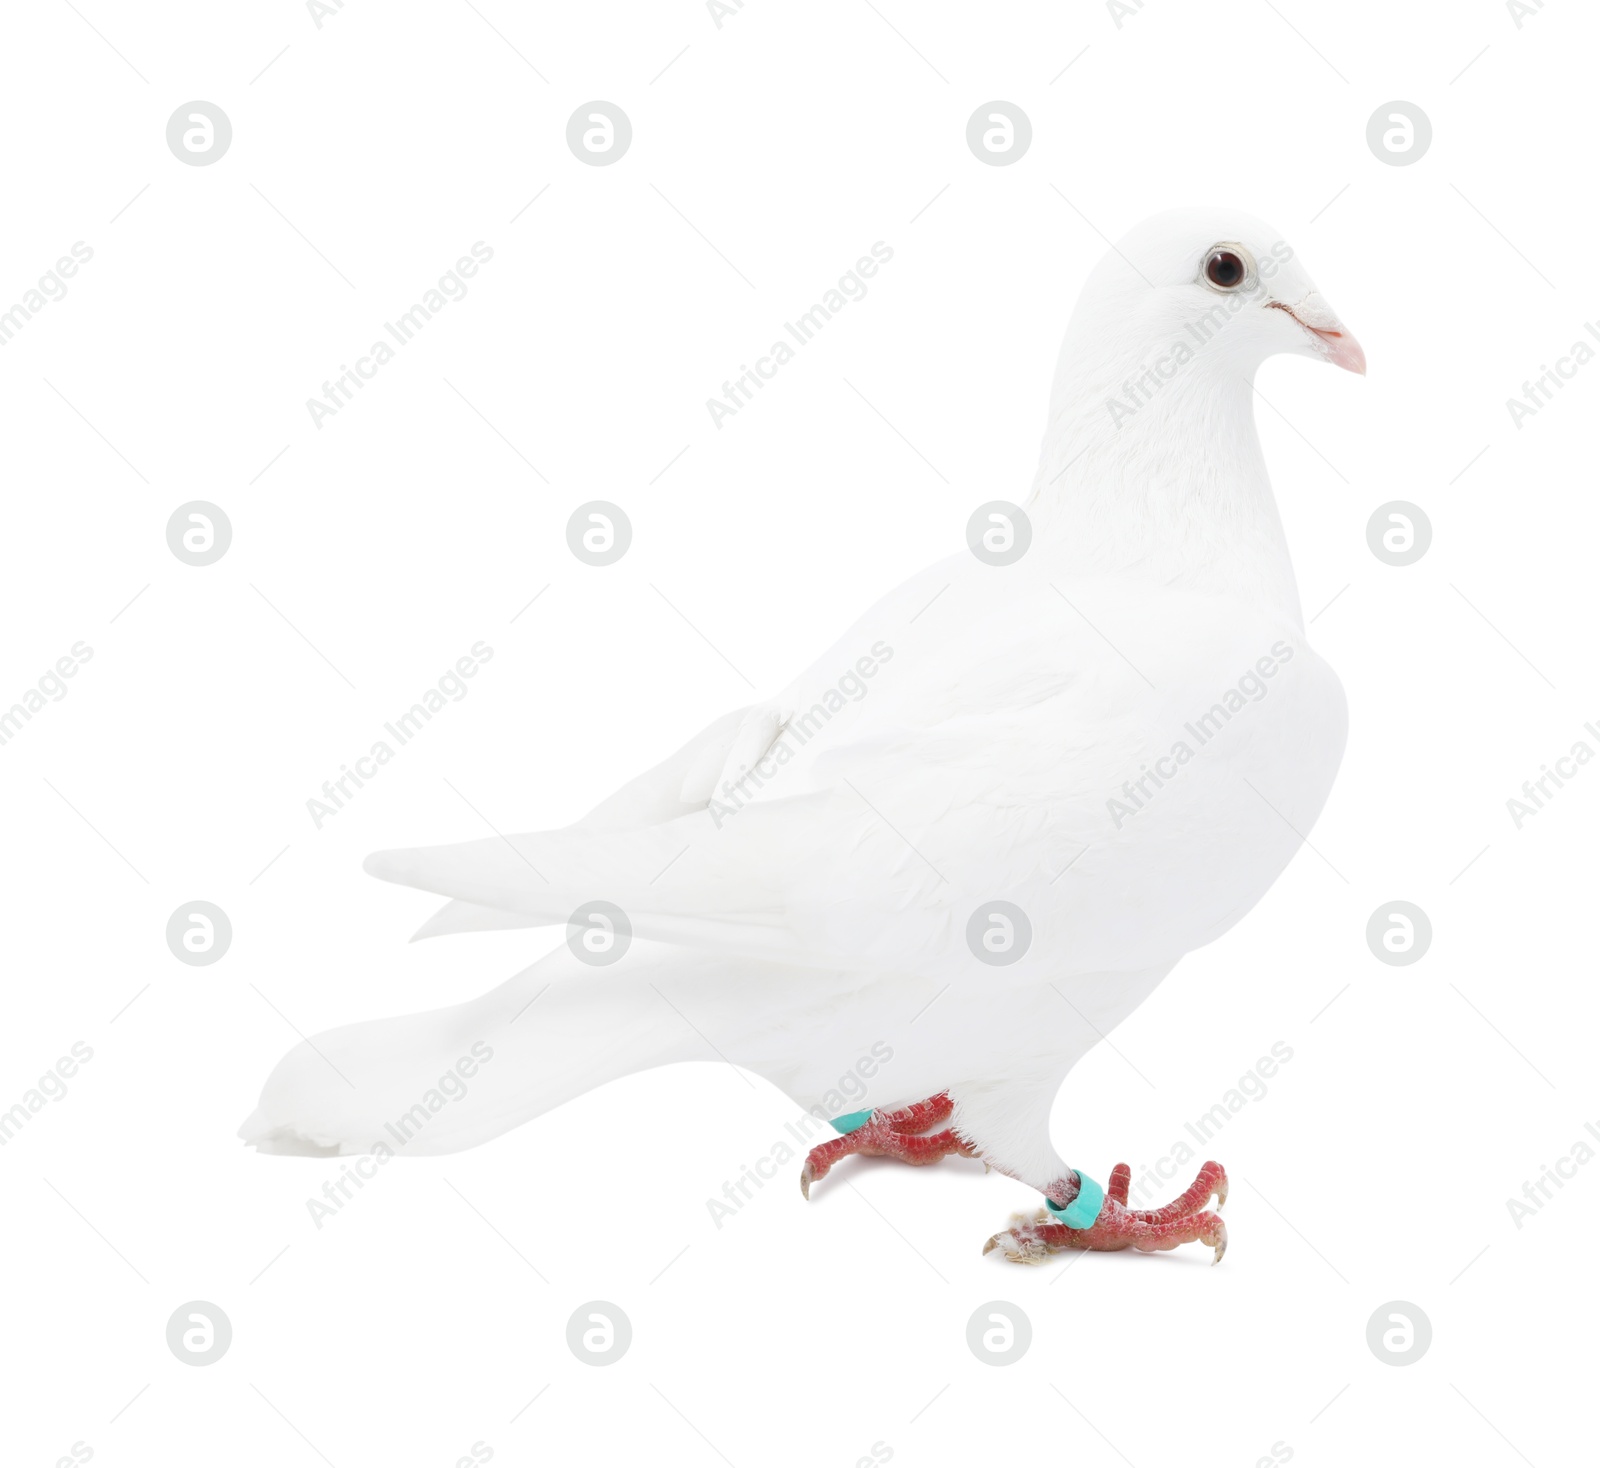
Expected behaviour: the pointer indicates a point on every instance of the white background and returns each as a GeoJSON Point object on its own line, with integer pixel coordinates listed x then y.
{"type": "Point", "coordinates": [426, 1315]}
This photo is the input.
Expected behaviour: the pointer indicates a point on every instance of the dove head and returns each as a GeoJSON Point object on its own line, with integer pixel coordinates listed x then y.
{"type": "Point", "coordinates": [1150, 457]}
{"type": "Point", "coordinates": [1214, 287]}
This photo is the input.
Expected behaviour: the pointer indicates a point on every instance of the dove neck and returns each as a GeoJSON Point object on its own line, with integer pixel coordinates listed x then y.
{"type": "Point", "coordinates": [1164, 482]}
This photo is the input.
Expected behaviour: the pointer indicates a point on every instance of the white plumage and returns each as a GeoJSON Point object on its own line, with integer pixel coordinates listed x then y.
{"type": "Point", "coordinates": [1001, 747]}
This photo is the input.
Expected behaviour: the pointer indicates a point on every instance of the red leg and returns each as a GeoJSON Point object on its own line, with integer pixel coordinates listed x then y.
{"type": "Point", "coordinates": [920, 1115]}
{"type": "Point", "coordinates": [891, 1134]}
{"type": "Point", "coordinates": [1030, 1240]}
{"type": "Point", "coordinates": [919, 1151]}
{"type": "Point", "coordinates": [1123, 1231]}
{"type": "Point", "coordinates": [905, 1134]}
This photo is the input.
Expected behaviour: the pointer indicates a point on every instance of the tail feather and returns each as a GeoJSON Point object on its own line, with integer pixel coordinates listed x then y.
{"type": "Point", "coordinates": [688, 880]}
{"type": "Point", "coordinates": [448, 1079]}
{"type": "Point", "coordinates": [756, 939]}
{"type": "Point", "coordinates": [469, 917]}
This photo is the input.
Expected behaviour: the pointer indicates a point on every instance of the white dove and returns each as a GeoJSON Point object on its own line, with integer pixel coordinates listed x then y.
{"type": "Point", "coordinates": [917, 886]}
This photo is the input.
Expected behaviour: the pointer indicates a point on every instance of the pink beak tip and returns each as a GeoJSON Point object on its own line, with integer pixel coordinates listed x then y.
{"type": "Point", "coordinates": [1345, 351]}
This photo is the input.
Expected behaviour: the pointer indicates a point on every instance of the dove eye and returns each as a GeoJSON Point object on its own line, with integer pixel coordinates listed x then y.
{"type": "Point", "coordinates": [1225, 268]}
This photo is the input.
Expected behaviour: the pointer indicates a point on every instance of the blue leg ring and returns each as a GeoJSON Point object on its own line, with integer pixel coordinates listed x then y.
{"type": "Point", "coordinates": [1082, 1211]}
{"type": "Point", "coordinates": [852, 1121]}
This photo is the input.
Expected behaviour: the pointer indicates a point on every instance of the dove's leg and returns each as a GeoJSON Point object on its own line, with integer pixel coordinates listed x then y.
{"type": "Point", "coordinates": [979, 1112]}
{"type": "Point", "coordinates": [1009, 1126]}
{"type": "Point", "coordinates": [902, 1134]}
{"type": "Point", "coordinates": [1029, 1240]}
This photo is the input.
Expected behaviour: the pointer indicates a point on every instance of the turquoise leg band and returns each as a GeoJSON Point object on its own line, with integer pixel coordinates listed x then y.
{"type": "Point", "coordinates": [1082, 1211]}
{"type": "Point", "coordinates": [851, 1122]}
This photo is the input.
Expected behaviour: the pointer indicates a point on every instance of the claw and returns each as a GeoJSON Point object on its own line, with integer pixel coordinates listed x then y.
{"type": "Point", "coordinates": [807, 1177]}
{"type": "Point", "coordinates": [1222, 1239]}
{"type": "Point", "coordinates": [1022, 1242]}
{"type": "Point", "coordinates": [1018, 1248]}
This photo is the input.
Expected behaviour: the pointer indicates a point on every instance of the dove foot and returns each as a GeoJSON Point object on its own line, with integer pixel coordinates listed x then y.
{"type": "Point", "coordinates": [1032, 1238]}
{"type": "Point", "coordinates": [902, 1134]}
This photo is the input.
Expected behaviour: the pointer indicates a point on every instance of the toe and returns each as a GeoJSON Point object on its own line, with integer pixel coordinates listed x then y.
{"type": "Point", "coordinates": [1028, 1239]}
{"type": "Point", "coordinates": [1211, 1182]}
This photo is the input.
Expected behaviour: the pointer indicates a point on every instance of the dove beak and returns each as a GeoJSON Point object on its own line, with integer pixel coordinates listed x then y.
{"type": "Point", "coordinates": [1333, 338]}
{"type": "Point", "coordinates": [1343, 349]}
